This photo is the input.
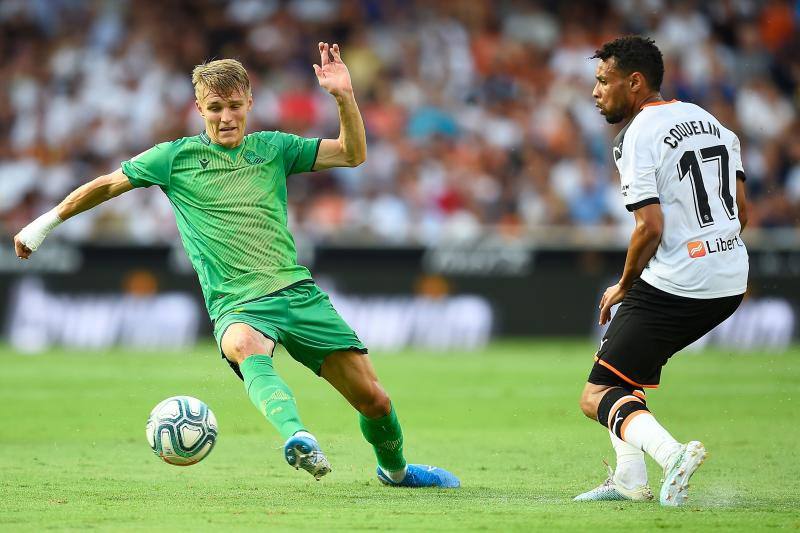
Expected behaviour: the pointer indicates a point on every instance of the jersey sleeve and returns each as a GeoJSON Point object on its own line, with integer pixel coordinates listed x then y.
{"type": "Point", "coordinates": [299, 153]}
{"type": "Point", "coordinates": [151, 167]}
{"type": "Point", "coordinates": [736, 157]}
{"type": "Point", "coordinates": [637, 169]}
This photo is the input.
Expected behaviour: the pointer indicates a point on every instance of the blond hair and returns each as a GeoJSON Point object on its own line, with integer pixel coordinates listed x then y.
{"type": "Point", "coordinates": [222, 77]}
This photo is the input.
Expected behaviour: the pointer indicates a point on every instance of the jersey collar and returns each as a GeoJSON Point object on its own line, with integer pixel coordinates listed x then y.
{"type": "Point", "coordinates": [231, 152]}
{"type": "Point", "coordinates": [662, 102]}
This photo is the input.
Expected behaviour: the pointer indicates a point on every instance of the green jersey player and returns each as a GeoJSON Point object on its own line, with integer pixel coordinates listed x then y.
{"type": "Point", "coordinates": [228, 193]}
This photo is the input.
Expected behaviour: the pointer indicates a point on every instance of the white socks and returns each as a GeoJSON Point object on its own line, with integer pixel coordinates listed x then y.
{"type": "Point", "coordinates": [644, 432]}
{"type": "Point", "coordinates": [630, 471]}
{"type": "Point", "coordinates": [397, 476]}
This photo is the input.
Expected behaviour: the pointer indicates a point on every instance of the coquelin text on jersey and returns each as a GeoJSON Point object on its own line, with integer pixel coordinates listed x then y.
{"type": "Point", "coordinates": [684, 130]}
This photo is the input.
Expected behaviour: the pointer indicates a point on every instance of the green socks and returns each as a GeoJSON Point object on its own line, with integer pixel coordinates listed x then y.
{"type": "Point", "coordinates": [386, 437]}
{"type": "Point", "coordinates": [273, 398]}
{"type": "Point", "coordinates": [271, 395]}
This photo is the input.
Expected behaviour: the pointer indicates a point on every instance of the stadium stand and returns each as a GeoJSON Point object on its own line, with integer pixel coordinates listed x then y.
{"type": "Point", "coordinates": [479, 113]}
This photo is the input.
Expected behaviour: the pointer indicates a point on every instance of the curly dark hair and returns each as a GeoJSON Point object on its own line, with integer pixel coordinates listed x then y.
{"type": "Point", "coordinates": [635, 53]}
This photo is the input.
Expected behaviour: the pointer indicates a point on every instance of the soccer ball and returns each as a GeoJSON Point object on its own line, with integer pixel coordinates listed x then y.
{"type": "Point", "coordinates": [181, 430]}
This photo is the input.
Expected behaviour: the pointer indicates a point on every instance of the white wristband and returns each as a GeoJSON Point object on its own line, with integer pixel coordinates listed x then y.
{"type": "Point", "coordinates": [34, 233]}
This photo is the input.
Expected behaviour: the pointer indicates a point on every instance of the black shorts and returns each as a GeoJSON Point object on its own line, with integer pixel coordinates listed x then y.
{"type": "Point", "coordinates": [648, 328]}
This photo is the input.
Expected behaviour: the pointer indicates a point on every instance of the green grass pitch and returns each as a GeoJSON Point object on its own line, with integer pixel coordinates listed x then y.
{"type": "Point", "coordinates": [73, 454]}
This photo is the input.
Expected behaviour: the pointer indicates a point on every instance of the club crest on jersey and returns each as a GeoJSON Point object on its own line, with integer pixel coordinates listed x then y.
{"type": "Point", "coordinates": [696, 249]}
{"type": "Point", "coordinates": [618, 152]}
{"type": "Point", "coordinates": [251, 157]}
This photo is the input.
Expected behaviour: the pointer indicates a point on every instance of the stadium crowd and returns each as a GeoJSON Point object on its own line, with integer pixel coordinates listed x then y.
{"type": "Point", "coordinates": [479, 112]}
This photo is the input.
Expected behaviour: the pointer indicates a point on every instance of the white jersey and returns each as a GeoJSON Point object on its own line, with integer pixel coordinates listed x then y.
{"type": "Point", "coordinates": [677, 154]}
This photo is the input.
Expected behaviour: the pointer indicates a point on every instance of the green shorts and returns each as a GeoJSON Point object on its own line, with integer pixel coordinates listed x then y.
{"type": "Point", "coordinates": [299, 317]}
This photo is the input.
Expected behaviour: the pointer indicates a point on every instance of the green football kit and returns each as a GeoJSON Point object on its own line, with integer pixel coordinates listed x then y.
{"type": "Point", "coordinates": [231, 211]}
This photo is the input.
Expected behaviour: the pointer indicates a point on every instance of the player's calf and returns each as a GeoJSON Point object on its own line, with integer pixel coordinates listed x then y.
{"type": "Point", "coordinates": [248, 351]}
{"type": "Point", "coordinates": [617, 408]}
{"type": "Point", "coordinates": [614, 407]}
{"type": "Point", "coordinates": [628, 417]}
{"type": "Point", "coordinates": [374, 405]}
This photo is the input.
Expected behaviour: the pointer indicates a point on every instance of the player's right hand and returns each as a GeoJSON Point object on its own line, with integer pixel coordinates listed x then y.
{"type": "Point", "coordinates": [332, 74]}
{"type": "Point", "coordinates": [23, 252]}
{"type": "Point", "coordinates": [611, 297]}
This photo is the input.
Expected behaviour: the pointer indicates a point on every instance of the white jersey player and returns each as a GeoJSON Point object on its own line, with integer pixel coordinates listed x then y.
{"type": "Point", "coordinates": [678, 155]}
{"type": "Point", "coordinates": [686, 269]}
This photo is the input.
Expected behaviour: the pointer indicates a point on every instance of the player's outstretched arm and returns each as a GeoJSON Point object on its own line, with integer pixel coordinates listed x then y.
{"type": "Point", "coordinates": [81, 199]}
{"type": "Point", "coordinates": [350, 149]}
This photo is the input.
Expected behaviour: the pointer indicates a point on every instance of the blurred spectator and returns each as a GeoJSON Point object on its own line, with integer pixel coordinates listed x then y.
{"type": "Point", "coordinates": [479, 112]}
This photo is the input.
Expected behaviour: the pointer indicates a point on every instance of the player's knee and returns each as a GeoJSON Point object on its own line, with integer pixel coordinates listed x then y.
{"type": "Point", "coordinates": [588, 403]}
{"type": "Point", "coordinates": [375, 404]}
{"type": "Point", "coordinates": [240, 347]}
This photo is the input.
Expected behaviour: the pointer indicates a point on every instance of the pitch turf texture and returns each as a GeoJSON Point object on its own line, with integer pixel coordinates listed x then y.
{"type": "Point", "coordinates": [73, 455]}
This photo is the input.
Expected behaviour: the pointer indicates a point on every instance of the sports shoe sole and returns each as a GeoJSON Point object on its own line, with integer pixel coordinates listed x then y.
{"type": "Point", "coordinates": [614, 494]}
{"type": "Point", "coordinates": [674, 491]}
{"type": "Point", "coordinates": [299, 459]}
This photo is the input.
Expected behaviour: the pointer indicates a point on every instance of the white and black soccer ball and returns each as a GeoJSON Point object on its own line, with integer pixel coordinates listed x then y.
{"type": "Point", "coordinates": [181, 430]}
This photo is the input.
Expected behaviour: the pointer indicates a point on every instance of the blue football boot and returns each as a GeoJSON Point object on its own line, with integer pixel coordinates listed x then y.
{"type": "Point", "coordinates": [305, 453]}
{"type": "Point", "coordinates": [423, 476]}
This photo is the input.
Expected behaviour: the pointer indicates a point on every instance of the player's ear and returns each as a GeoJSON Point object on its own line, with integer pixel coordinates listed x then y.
{"type": "Point", "coordinates": [250, 102]}
{"type": "Point", "coordinates": [199, 107]}
{"type": "Point", "coordinates": [636, 81]}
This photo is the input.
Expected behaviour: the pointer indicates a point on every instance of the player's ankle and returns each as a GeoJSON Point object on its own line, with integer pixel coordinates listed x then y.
{"type": "Point", "coordinates": [304, 433]}
{"type": "Point", "coordinates": [632, 477]}
{"type": "Point", "coordinates": [667, 453]}
{"type": "Point", "coordinates": [396, 476]}
{"type": "Point", "coordinates": [629, 482]}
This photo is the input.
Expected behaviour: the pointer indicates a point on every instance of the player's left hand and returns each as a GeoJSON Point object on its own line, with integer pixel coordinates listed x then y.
{"type": "Point", "coordinates": [332, 74]}
{"type": "Point", "coordinates": [21, 249]}
{"type": "Point", "coordinates": [611, 297]}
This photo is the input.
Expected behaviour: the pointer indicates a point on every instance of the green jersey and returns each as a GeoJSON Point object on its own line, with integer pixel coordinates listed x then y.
{"type": "Point", "coordinates": [230, 207]}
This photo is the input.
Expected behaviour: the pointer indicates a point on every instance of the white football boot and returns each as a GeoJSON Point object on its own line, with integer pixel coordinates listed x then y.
{"type": "Point", "coordinates": [674, 490]}
{"type": "Point", "coordinates": [610, 490]}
